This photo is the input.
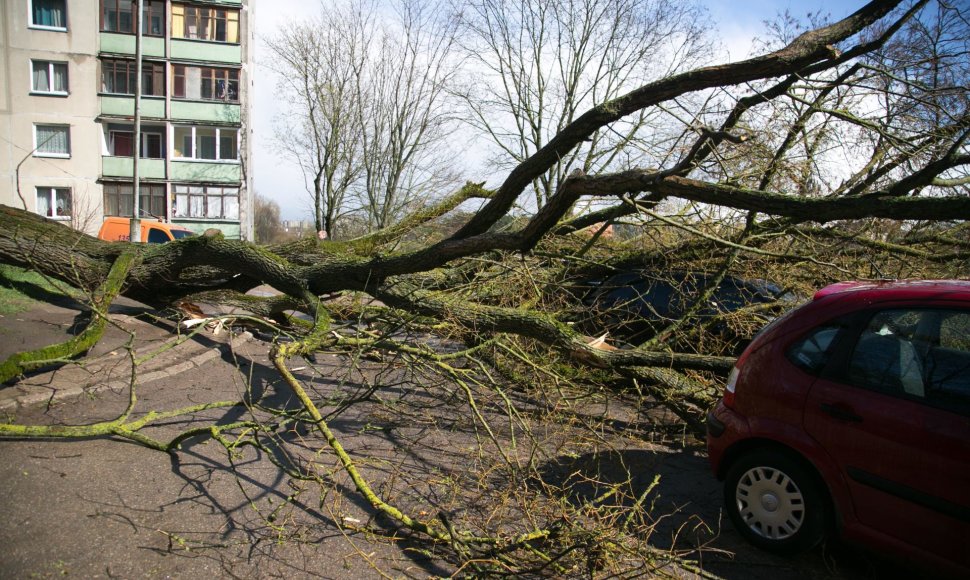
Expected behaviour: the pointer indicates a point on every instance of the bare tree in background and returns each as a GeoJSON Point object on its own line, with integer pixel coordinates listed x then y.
{"type": "Point", "coordinates": [86, 213]}
{"type": "Point", "coordinates": [536, 65]}
{"type": "Point", "coordinates": [266, 220]}
{"type": "Point", "coordinates": [367, 84]}
{"type": "Point", "coordinates": [406, 114]}
{"type": "Point", "coordinates": [317, 62]}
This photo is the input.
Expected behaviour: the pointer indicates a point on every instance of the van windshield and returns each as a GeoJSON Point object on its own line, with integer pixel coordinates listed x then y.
{"type": "Point", "coordinates": [179, 234]}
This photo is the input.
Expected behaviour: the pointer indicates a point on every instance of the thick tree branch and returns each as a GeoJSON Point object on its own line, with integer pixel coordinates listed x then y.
{"type": "Point", "coordinates": [797, 208]}
{"type": "Point", "coordinates": [809, 48]}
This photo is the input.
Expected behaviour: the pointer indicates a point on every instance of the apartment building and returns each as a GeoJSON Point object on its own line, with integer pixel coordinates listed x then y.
{"type": "Point", "coordinates": [67, 111]}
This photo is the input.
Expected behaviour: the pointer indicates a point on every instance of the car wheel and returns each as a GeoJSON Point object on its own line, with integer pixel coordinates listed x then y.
{"type": "Point", "coordinates": [774, 502]}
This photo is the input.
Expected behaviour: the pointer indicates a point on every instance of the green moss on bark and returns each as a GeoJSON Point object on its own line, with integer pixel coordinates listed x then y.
{"type": "Point", "coordinates": [28, 361]}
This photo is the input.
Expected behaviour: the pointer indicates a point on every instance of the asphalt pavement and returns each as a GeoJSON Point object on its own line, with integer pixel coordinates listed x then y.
{"type": "Point", "coordinates": [103, 507]}
{"type": "Point", "coordinates": [107, 508]}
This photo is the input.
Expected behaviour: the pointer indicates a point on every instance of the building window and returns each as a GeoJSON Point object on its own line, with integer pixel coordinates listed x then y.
{"type": "Point", "coordinates": [118, 77]}
{"type": "Point", "coordinates": [48, 77]}
{"type": "Point", "coordinates": [206, 143]}
{"type": "Point", "coordinates": [54, 202]}
{"type": "Point", "coordinates": [119, 201]}
{"type": "Point", "coordinates": [49, 14]}
{"type": "Point", "coordinates": [204, 23]}
{"type": "Point", "coordinates": [121, 140]}
{"type": "Point", "coordinates": [207, 84]}
{"type": "Point", "coordinates": [205, 202]}
{"type": "Point", "coordinates": [52, 140]}
{"type": "Point", "coordinates": [119, 16]}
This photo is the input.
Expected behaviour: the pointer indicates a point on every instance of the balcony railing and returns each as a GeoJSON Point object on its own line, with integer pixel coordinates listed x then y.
{"type": "Point", "coordinates": [215, 111]}
{"type": "Point", "coordinates": [125, 44]}
{"type": "Point", "coordinates": [216, 172]}
{"type": "Point", "coordinates": [112, 166]}
{"type": "Point", "coordinates": [124, 106]}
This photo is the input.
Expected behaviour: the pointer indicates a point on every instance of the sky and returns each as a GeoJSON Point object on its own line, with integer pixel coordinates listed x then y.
{"type": "Point", "coordinates": [278, 178]}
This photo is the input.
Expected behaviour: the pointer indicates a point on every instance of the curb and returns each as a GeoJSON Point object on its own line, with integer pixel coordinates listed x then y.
{"type": "Point", "coordinates": [158, 368]}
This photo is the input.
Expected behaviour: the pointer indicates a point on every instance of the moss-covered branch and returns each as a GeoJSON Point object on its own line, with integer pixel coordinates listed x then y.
{"type": "Point", "coordinates": [28, 361]}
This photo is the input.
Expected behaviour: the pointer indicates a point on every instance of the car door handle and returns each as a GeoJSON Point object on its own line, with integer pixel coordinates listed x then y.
{"type": "Point", "coordinates": [841, 412]}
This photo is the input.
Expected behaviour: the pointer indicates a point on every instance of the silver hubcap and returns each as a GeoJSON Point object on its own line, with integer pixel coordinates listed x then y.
{"type": "Point", "coordinates": [770, 503]}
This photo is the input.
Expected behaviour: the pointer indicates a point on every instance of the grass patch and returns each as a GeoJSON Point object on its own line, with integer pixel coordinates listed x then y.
{"type": "Point", "coordinates": [20, 289]}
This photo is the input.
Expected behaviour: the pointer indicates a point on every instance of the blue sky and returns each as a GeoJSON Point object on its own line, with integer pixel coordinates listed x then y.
{"type": "Point", "coordinates": [737, 22]}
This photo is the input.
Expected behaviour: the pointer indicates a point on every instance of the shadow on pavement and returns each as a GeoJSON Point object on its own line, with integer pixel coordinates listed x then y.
{"type": "Point", "coordinates": [686, 507]}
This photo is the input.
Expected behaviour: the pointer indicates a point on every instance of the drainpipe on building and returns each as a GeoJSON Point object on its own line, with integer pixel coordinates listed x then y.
{"type": "Point", "coordinates": [135, 233]}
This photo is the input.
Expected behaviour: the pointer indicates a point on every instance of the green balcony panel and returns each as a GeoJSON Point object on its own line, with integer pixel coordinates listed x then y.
{"type": "Point", "coordinates": [196, 111]}
{"type": "Point", "coordinates": [206, 51]}
{"type": "Point", "coordinates": [121, 106]}
{"type": "Point", "coordinates": [125, 44]}
{"type": "Point", "coordinates": [229, 229]}
{"type": "Point", "coordinates": [123, 167]}
{"type": "Point", "coordinates": [206, 172]}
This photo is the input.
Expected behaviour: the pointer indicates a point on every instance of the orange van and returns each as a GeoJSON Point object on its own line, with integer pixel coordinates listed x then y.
{"type": "Point", "coordinates": [116, 229]}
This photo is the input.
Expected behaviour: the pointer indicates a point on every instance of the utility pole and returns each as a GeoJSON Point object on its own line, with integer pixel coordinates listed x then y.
{"type": "Point", "coordinates": [135, 232]}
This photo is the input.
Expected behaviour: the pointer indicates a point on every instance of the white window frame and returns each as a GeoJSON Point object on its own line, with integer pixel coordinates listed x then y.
{"type": "Point", "coordinates": [39, 153]}
{"type": "Point", "coordinates": [148, 192]}
{"type": "Point", "coordinates": [194, 157]}
{"type": "Point", "coordinates": [180, 190]}
{"type": "Point", "coordinates": [52, 200]}
{"type": "Point", "coordinates": [32, 24]}
{"type": "Point", "coordinates": [50, 77]}
{"type": "Point", "coordinates": [146, 135]}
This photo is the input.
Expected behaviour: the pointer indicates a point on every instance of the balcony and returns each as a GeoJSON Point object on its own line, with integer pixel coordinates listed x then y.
{"type": "Point", "coordinates": [123, 167]}
{"type": "Point", "coordinates": [201, 50]}
{"type": "Point", "coordinates": [211, 172]}
{"type": "Point", "coordinates": [125, 44]}
{"type": "Point", "coordinates": [215, 111]}
{"type": "Point", "coordinates": [124, 106]}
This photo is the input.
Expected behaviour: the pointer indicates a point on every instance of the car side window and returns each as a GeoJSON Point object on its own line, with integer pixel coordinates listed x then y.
{"type": "Point", "coordinates": [885, 358]}
{"type": "Point", "coordinates": [157, 236]}
{"type": "Point", "coordinates": [948, 361]}
{"type": "Point", "coordinates": [919, 353]}
{"type": "Point", "coordinates": [812, 352]}
{"type": "Point", "coordinates": [955, 331]}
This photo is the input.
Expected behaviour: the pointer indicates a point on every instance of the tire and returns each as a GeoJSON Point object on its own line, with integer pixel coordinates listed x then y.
{"type": "Point", "coordinates": [775, 502]}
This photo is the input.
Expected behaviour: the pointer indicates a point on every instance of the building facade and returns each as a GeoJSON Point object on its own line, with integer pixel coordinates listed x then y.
{"type": "Point", "coordinates": [67, 109]}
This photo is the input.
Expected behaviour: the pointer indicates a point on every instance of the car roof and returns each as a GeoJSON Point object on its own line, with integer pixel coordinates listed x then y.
{"type": "Point", "coordinates": [898, 290]}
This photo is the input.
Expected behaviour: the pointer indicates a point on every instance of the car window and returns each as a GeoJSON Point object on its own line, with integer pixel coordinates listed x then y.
{"type": "Point", "coordinates": [884, 358]}
{"type": "Point", "coordinates": [731, 297]}
{"type": "Point", "coordinates": [157, 236]}
{"type": "Point", "coordinates": [955, 331]}
{"type": "Point", "coordinates": [948, 361]}
{"type": "Point", "coordinates": [917, 353]}
{"type": "Point", "coordinates": [812, 353]}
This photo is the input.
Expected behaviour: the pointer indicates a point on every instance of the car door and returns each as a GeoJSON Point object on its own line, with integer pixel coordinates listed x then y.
{"type": "Point", "coordinates": [904, 452]}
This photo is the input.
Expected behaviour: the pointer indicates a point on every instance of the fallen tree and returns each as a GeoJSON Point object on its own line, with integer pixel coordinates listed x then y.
{"type": "Point", "coordinates": [743, 189]}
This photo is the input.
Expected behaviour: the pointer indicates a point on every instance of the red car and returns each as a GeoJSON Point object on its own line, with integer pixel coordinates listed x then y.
{"type": "Point", "coordinates": [852, 414]}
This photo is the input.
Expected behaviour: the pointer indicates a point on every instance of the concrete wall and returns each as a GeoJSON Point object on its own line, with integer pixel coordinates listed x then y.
{"type": "Point", "coordinates": [20, 110]}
